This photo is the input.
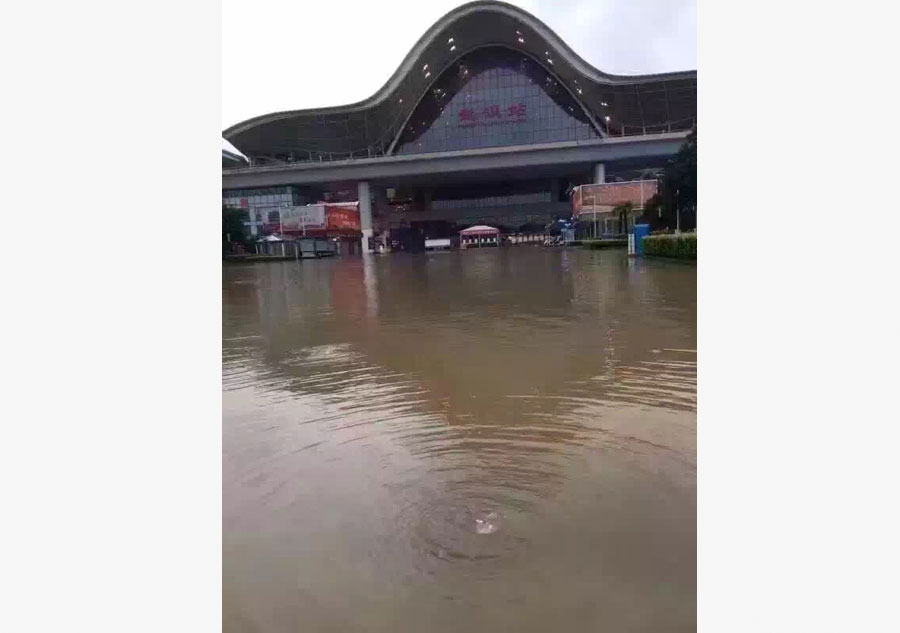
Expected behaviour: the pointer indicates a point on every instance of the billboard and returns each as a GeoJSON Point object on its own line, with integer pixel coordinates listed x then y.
{"type": "Point", "coordinates": [311, 216]}
{"type": "Point", "coordinates": [603, 197]}
{"type": "Point", "coordinates": [342, 217]}
{"type": "Point", "coordinates": [310, 219]}
{"type": "Point", "coordinates": [288, 219]}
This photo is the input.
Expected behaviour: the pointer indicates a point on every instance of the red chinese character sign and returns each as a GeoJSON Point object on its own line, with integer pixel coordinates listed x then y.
{"type": "Point", "coordinates": [516, 111]}
{"type": "Point", "coordinates": [491, 114]}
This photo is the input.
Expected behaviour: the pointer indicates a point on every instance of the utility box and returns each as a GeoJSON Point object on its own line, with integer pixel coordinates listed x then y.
{"type": "Point", "coordinates": [314, 247]}
{"type": "Point", "coordinates": [640, 232]}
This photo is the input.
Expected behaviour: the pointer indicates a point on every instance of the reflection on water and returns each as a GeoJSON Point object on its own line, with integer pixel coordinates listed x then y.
{"type": "Point", "coordinates": [465, 441]}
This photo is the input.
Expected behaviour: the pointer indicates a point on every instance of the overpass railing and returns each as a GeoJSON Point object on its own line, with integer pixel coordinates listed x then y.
{"type": "Point", "coordinates": [312, 156]}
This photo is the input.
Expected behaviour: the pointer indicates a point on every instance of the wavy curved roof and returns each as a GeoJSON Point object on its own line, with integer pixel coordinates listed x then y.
{"type": "Point", "coordinates": [637, 104]}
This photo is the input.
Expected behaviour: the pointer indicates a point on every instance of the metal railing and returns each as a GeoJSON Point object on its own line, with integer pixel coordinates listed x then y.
{"type": "Point", "coordinates": [302, 156]}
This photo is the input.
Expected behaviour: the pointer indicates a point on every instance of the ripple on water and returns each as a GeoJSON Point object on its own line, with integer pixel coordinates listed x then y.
{"type": "Point", "coordinates": [455, 527]}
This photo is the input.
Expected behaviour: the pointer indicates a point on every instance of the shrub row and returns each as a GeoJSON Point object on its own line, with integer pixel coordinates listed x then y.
{"type": "Point", "coordinates": [597, 243]}
{"type": "Point", "coordinates": [682, 246]}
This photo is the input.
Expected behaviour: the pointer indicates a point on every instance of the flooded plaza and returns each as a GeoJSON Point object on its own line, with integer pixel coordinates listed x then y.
{"type": "Point", "coordinates": [488, 440]}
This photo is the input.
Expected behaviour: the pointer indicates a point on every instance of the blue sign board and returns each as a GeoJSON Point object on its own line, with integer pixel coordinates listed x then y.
{"type": "Point", "coordinates": [640, 230]}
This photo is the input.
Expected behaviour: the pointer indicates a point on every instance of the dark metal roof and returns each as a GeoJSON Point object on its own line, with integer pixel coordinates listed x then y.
{"type": "Point", "coordinates": [639, 104]}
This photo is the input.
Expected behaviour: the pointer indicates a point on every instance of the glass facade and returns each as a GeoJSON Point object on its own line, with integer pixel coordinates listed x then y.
{"type": "Point", "coordinates": [494, 97]}
{"type": "Point", "coordinates": [261, 204]}
{"type": "Point", "coordinates": [488, 195]}
{"type": "Point", "coordinates": [269, 196]}
{"type": "Point", "coordinates": [493, 201]}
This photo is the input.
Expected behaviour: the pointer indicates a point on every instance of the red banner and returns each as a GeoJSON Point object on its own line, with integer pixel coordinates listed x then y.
{"type": "Point", "coordinates": [342, 218]}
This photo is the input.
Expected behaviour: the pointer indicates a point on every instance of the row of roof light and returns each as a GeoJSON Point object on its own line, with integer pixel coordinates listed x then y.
{"type": "Point", "coordinates": [521, 40]}
{"type": "Point", "coordinates": [578, 89]}
{"type": "Point", "coordinates": [425, 70]}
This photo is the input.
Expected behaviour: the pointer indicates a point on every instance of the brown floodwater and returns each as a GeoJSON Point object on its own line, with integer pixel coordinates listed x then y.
{"type": "Point", "coordinates": [488, 440]}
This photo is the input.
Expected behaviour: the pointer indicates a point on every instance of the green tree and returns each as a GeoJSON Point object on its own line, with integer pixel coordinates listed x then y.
{"type": "Point", "coordinates": [679, 183]}
{"type": "Point", "coordinates": [622, 211]}
{"type": "Point", "coordinates": [676, 203]}
{"type": "Point", "coordinates": [233, 229]}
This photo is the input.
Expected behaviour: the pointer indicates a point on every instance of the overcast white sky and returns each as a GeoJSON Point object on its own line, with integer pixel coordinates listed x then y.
{"type": "Point", "coordinates": [294, 54]}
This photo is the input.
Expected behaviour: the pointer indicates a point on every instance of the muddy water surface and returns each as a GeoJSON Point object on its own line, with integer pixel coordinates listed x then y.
{"type": "Point", "coordinates": [493, 440]}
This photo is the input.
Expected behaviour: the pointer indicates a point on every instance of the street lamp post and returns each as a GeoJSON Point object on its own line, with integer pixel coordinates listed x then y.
{"type": "Point", "coordinates": [677, 214]}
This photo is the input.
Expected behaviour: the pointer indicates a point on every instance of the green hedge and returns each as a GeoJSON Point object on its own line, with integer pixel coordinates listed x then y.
{"type": "Point", "coordinates": [597, 243]}
{"type": "Point", "coordinates": [683, 246]}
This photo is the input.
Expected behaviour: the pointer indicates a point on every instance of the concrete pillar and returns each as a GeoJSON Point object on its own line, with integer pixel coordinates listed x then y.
{"type": "Point", "coordinates": [365, 214]}
{"type": "Point", "coordinates": [380, 217]}
{"type": "Point", "coordinates": [599, 173]}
